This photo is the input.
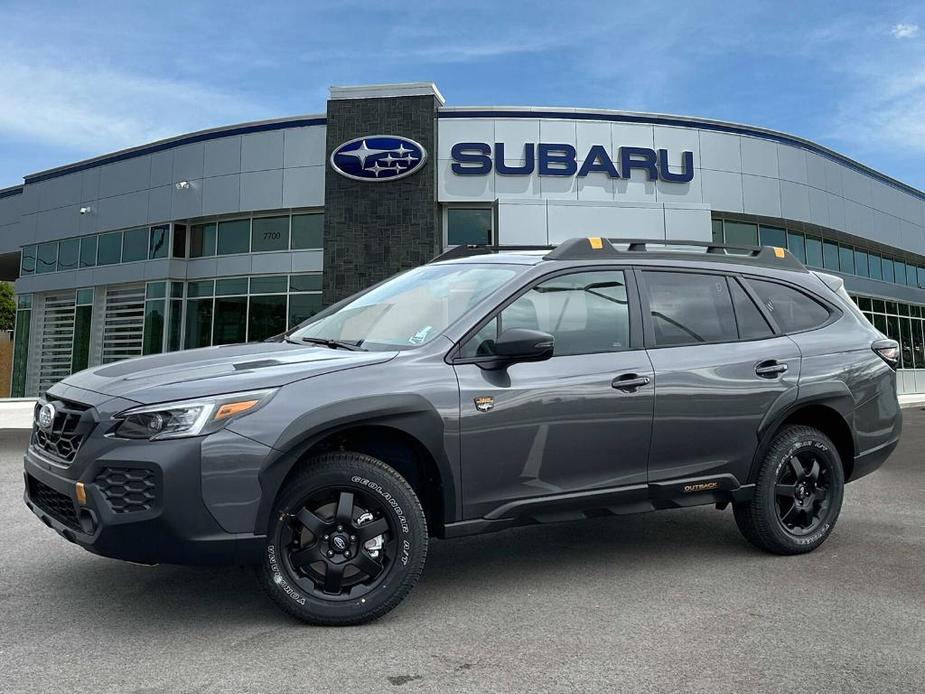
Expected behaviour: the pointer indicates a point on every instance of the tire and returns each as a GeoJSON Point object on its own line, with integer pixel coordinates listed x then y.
{"type": "Point", "coordinates": [323, 562]}
{"type": "Point", "coordinates": [798, 494]}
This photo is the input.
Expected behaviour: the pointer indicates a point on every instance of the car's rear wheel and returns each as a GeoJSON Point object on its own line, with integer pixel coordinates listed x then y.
{"type": "Point", "coordinates": [798, 493]}
{"type": "Point", "coordinates": [347, 541]}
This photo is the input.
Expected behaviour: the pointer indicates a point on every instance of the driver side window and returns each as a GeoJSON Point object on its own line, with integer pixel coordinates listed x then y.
{"type": "Point", "coordinates": [586, 313]}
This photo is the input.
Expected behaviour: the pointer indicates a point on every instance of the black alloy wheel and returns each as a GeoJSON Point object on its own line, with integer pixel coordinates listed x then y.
{"type": "Point", "coordinates": [347, 540]}
{"type": "Point", "coordinates": [801, 492]}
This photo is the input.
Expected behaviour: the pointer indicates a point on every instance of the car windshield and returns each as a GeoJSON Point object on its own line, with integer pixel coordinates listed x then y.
{"type": "Point", "coordinates": [407, 310]}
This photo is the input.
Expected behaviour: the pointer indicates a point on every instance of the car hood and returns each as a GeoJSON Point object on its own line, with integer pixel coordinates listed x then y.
{"type": "Point", "coordinates": [216, 370]}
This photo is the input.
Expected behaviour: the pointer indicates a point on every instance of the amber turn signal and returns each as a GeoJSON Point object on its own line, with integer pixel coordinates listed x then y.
{"type": "Point", "coordinates": [232, 408]}
{"type": "Point", "coordinates": [81, 493]}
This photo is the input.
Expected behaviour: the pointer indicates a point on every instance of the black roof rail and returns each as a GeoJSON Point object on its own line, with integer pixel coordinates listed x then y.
{"type": "Point", "coordinates": [597, 247]}
{"type": "Point", "coordinates": [470, 250]}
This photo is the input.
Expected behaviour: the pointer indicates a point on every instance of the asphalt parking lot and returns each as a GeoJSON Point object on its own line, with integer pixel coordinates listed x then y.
{"type": "Point", "coordinates": [673, 601]}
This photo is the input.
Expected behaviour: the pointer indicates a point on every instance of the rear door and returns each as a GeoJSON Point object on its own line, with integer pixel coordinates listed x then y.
{"type": "Point", "coordinates": [719, 367]}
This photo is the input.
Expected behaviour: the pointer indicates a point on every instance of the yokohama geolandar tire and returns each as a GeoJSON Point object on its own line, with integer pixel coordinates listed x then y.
{"type": "Point", "coordinates": [346, 543]}
{"type": "Point", "coordinates": [798, 494]}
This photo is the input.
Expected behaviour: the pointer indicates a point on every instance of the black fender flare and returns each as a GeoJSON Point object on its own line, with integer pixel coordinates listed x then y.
{"type": "Point", "coordinates": [834, 395]}
{"type": "Point", "coordinates": [408, 414]}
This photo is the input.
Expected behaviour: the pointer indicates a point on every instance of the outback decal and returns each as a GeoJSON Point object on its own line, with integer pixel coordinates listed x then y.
{"type": "Point", "coordinates": [699, 487]}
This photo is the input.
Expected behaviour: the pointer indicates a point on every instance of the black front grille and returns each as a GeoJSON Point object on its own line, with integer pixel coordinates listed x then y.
{"type": "Point", "coordinates": [71, 426]}
{"type": "Point", "coordinates": [57, 505]}
{"type": "Point", "coordinates": [127, 489]}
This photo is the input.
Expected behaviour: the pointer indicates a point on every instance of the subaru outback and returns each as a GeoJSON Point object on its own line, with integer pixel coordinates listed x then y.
{"type": "Point", "coordinates": [490, 388]}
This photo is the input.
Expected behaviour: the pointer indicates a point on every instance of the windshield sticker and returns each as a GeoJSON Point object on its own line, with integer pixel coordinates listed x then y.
{"type": "Point", "coordinates": [420, 335]}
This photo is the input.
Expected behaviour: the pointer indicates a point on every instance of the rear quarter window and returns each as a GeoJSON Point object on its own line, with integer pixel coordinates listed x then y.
{"type": "Point", "coordinates": [793, 310]}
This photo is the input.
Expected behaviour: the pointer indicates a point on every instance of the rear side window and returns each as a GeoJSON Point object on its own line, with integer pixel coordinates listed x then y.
{"type": "Point", "coordinates": [792, 309]}
{"type": "Point", "coordinates": [689, 308]}
{"type": "Point", "coordinates": [752, 325]}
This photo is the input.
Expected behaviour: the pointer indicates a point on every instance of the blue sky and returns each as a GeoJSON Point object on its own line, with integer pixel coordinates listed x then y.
{"type": "Point", "coordinates": [82, 79]}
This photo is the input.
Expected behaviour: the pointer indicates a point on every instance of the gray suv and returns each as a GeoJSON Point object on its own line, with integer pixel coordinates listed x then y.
{"type": "Point", "coordinates": [488, 389]}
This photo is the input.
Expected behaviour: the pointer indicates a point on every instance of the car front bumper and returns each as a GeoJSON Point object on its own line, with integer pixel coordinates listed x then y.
{"type": "Point", "coordinates": [143, 503]}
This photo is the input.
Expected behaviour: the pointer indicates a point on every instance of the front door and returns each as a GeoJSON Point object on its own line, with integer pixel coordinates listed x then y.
{"type": "Point", "coordinates": [565, 424]}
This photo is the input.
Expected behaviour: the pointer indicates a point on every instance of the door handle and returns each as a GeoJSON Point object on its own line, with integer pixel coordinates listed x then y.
{"type": "Point", "coordinates": [630, 382]}
{"type": "Point", "coordinates": [770, 368]}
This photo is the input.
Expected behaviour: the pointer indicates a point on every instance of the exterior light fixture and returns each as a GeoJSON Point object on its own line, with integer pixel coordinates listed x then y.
{"type": "Point", "coordinates": [183, 185]}
{"type": "Point", "coordinates": [85, 210]}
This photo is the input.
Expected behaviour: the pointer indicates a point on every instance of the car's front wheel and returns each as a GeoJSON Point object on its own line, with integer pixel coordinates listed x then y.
{"type": "Point", "coordinates": [798, 494]}
{"type": "Point", "coordinates": [347, 541]}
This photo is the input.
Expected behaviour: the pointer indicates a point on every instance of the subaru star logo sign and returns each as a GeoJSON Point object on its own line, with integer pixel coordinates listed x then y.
{"type": "Point", "coordinates": [46, 416]}
{"type": "Point", "coordinates": [378, 158]}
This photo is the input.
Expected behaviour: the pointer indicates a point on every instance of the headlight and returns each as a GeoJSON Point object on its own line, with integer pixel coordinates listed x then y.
{"type": "Point", "coordinates": [171, 420]}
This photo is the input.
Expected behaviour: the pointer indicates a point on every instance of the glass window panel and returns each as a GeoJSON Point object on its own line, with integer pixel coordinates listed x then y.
{"type": "Point", "coordinates": [159, 242]}
{"type": "Point", "coordinates": [905, 342]}
{"type": "Point", "coordinates": [234, 236]}
{"type": "Point", "coordinates": [830, 255]}
{"type": "Point", "coordinates": [27, 262]}
{"type": "Point", "coordinates": [891, 308]}
{"type": "Point", "coordinates": [80, 355]}
{"type": "Point", "coordinates": [179, 241]}
{"type": "Point", "coordinates": [688, 308]}
{"type": "Point", "coordinates": [921, 276]}
{"type": "Point", "coordinates": [914, 310]}
{"type": "Point", "coordinates": [305, 283]}
{"type": "Point", "coordinates": [918, 358]}
{"type": "Point", "coordinates": [899, 272]}
{"type": "Point", "coordinates": [24, 301]}
{"type": "Point", "coordinates": [302, 307]}
{"type": "Point", "coordinates": [233, 285]}
{"type": "Point", "coordinates": [46, 258]}
{"type": "Point", "coordinates": [200, 288]}
{"type": "Point", "coordinates": [174, 326]}
{"type": "Point", "coordinates": [268, 285]}
{"type": "Point", "coordinates": [176, 290]}
{"type": "Point", "coordinates": [307, 230]}
{"type": "Point", "coordinates": [198, 323]}
{"type": "Point", "coordinates": [752, 324]}
{"type": "Point", "coordinates": [903, 309]}
{"type": "Point", "coordinates": [773, 236]}
{"type": "Point", "coordinates": [864, 303]}
{"type": "Point", "coordinates": [155, 312]}
{"type": "Point", "coordinates": [793, 310]}
{"type": "Point", "coordinates": [887, 267]}
{"type": "Point", "coordinates": [717, 231]}
{"type": "Point", "coordinates": [267, 317]}
{"type": "Point", "coordinates": [270, 234]}
{"type": "Point", "coordinates": [20, 353]}
{"type": "Point", "coordinates": [880, 323]}
{"type": "Point", "coordinates": [156, 290]}
{"type": "Point", "coordinates": [846, 259]}
{"type": "Point", "coordinates": [230, 320]}
{"type": "Point", "coordinates": [813, 252]}
{"type": "Point", "coordinates": [911, 277]}
{"type": "Point", "coordinates": [796, 246]}
{"type": "Point", "coordinates": [741, 233]}
{"type": "Point", "coordinates": [860, 263]}
{"type": "Point", "coordinates": [110, 249]}
{"type": "Point", "coordinates": [201, 240]}
{"type": "Point", "coordinates": [134, 245]}
{"type": "Point", "coordinates": [85, 296]}
{"type": "Point", "coordinates": [878, 305]}
{"type": "Point", "coordinates": [873, 265]}
{"type": "Point", "coordinates": [468, 226]}
{"type": "Point", "coordinates": [68, 254]}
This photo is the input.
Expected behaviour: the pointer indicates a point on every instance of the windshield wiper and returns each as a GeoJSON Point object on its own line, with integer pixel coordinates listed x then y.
{"type": "Point", "coordinates": [333, 344]}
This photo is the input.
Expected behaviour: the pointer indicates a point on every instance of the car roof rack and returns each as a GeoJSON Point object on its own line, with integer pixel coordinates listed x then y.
{"type": "Point", "coordinates": [469, 250]}
{"type": "Point", "coordinates": [597, 247]}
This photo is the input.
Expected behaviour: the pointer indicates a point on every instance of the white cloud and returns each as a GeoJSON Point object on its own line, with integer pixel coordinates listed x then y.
{"type": "Point", "coordinates": [905, 31]}
{"type": "Point", "coordinates": [93, 109]}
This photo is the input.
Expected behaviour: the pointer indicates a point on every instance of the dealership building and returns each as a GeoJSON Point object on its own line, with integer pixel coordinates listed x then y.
{"type": "Point", "coordinates": [237, 233]}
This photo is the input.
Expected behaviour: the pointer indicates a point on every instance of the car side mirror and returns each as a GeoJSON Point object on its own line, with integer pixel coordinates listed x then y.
{"type": "Point", "coordinates": [520, 344]}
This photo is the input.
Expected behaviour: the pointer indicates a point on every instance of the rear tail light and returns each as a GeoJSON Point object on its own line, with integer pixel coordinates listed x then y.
{"type": "Point", "coordinates": [888, 350]}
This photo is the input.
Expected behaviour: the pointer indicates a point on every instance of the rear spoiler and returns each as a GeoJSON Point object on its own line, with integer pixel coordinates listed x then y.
{"type": "Point", "coordinates": [831, 281]}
